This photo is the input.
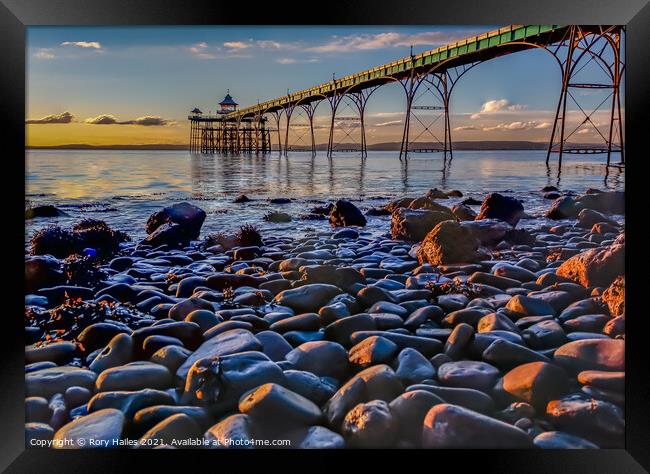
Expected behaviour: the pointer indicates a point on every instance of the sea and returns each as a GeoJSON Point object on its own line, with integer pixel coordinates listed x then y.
{"type": "Point", "coordinates": [124, 187]}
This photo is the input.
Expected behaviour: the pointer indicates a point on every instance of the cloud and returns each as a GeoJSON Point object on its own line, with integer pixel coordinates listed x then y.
{"type": "Point", "coordinates": [518, 125]}
{"type": "Point", "coordinates": [465, 127]}
{"type": "Point", "coordinates": [107, 119]}
{"type": "Point", "coordinates": [44, 53]}
{"type": "Point", "coordinates": [496, 106]}
{"type": "Point", "coordinates": [389, 39]}
{"type": "Point", "coordinates": [236, 45]}
{"type": "Point", "coordinates": [65, 117]}
{"type": "Point", "coordinates": [83, 44]}
{"type": "Point", "coordinates": [294, 60]}
{"type": "Point", "coordinates": [389, 123]}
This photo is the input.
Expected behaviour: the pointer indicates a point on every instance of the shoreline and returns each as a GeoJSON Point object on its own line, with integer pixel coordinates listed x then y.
{"type": "Point", "coordinates": [510, 337]}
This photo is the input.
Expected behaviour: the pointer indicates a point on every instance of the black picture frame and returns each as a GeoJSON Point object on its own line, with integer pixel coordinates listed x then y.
{"type": "Point", "coordinates": [16, 15]}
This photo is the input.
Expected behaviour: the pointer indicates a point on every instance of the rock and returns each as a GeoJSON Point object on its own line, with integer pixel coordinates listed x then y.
{"type": "Point", "coordinates": [458, 340]}
{"type": "Point", "coordinates": [37, 433]}
{"type": "Point", "coordinates": [370, 425]}
{"type": "Point", "coordinates": [205, 318]}
{"type": "Point", "coordinates": [544, 335]}
{"type": "Point", "coordinates": [319, 437]}
{"type": "Point", "coordinates": [413, 225]}
{"type": "Point", "coordinates": [42, 272]}
{"type": "Point", "coordinates": [300, 322]}
{"type": "Point", "coordinates": [175, 430]}
{"type": "Point", "coordinates": [47, 382]}
{"type": "Point", "coordinates": [595, 267]}
{"type": "Point", "coordinates": [323, 358]}
{"type": "Point", "coordinates": [184, 216]}
{"type": "Point", "coordinates": [183, 308]}
{"type": "Point", "coordinates": [220, 381]}
{"type": "Point", "coordinates": [436, 193]}
{"type": "Point", "coordinates": [592, 354]}
{"type": "Point", "coordinates": [469, 374]}
{"type": "Point", "coordinates": [489, 232]}
{"type": "Point", "coordinates": [587, 218]}
{"type": "Point", "coordinates": [428, 347]}
{"type": "Point", "coordinates": [307, 298]}
{"type": "Point", "coordinates": [451, 426]}
{"type": "Point", "coordinates": [614, 296]}
{"type": "Point", "coordinates": [371, 294]}
{"type": "Point", "coordinates": [609, 202]}
{"type": "Point", "coordinates": [235, 431]}
{"type": "Point", "coordinates": [536, 383]}
{"type": "Point", "coordinates": [149, 417]}
{"type": "Point", "coordinates": [374, 383]}
{"type": "Point", "coordinates": [506, 355]}
{"type": "Point", "coordinates": [345, 214]}
{"type": "Point", "coordinates": [134, 376]}
{"type": "Point", "coordinates": [119, 351]}
{"type": "Point", "coordinates": [448, 242]}
{"type": "Point", "coordinates": [497, 206]}
{"type": "Point", "coordinates": [58, 352]}
{"type": "Point", "coordinates": [603, 379]}
{"type": "Point", "coordinates": [171, 357]}
{"type": "Point", "coordinates": [527, 306]}
{"type": "Point", "coordinates": [372, 351]}
{"type": "Point", "coordinates": [465, 397]}
{"type": "Point", "coordinates": [409, 410]}
{"type": "Point", "coordinates": [100, 429]}
{"type": "Point", "coordinates": [273, 345]}
{"type": "Point", "coordinates": [277, 217]}
{"type": "Point", "coordinates": [560, 440]}
{"type": "Point", "coordinates": [241, 198]}
{"type": "Point", "coordinates": [272, 403]}
{"type": "Point", "coordinates": [463, 212]}
{"type": "Point", "coordinates": [342, 329]}
{"type": "Point", "coordinates": [129, 402]}
{"type": "Point", "coordinates": [413, 367]}
{"type": "Point", "coordinates": [229, 342]}
{"type": "Point", "coordinates": [98, 335]}
{"type": "Point", "coordinates": [317, 389]}
{"type": "Point", "coordinates": [562, 208]}
{"type": "Point", "coordinates": [598, 421]}
{"type": "Point", "coordinates": [46, 210]}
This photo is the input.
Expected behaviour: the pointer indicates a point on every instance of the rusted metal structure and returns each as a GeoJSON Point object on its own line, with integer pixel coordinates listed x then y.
{"type": "Point", "coordinates": [432, 74]}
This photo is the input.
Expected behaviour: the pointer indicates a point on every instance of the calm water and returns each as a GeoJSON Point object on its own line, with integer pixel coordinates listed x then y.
{"type": "Point", "coordinates": [125, 187]}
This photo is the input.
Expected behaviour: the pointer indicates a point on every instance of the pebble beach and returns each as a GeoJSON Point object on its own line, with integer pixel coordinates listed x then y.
{"type": "Point", "coordinates": [434, 319]}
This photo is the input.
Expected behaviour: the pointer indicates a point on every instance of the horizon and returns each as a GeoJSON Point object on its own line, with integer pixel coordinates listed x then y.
{"type": "Point", "coordinates": [134, 86]}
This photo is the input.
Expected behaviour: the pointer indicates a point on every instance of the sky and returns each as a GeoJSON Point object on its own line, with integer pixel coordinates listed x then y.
{"type": "Point", "coordinates": [136, 85]}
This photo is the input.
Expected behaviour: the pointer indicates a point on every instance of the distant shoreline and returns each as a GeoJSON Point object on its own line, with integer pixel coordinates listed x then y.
{"type": "Point", "coordinates": [390, 146]}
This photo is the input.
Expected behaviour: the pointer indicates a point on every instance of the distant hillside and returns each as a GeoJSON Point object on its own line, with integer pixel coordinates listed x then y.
{"type": "Point", "coordinates": [387, 146]}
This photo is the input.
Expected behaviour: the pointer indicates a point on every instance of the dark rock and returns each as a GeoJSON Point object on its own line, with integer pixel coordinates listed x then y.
{"type": "Point", "coordinates": [497, 206]}
{"type": "Point", "coordinates": [413, 367]}
{"type": "Point", "coordinates": [46, 210]}
{"type": "Point", "coordinates": [273, 403]}
{"type": "Point", "coordinates": [323, 358]}
{"type": "Point", "coordinates": [102, 427]}
{"type": "Point", "coordinates": [344, 214]}
{"type": "Point", "coordinates": [307, 298]}
{"type": "Point", "coordinates": [561, 440]}
{"type": "Point", "coordinates": [592, 354]}
{"type": "Point", "coordinates": [188, 217]}
{"type": "Point", "coordinates": [370, 425]}
{"type": "Point", "coordinates": [413, 225]}
{"type": "Point", "coordinates": [469, 374]}
{"type": "Point", "coordinates": [372, 351]}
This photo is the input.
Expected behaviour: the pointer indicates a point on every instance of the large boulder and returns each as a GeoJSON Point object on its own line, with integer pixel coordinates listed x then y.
{"type": "Point", "coordinates": [595, 267]}
{"type": "Point", "coordinates": [174, 225]}
{"type": "Point", "coordinates": [413, 225]}
{"type": "Point", "coordinates": [87, 233]}
{"type": "Point", "coordinates": [101, 429]}
{"type": "Point", "coordinates": [536, 383]}
{"type": "Point", "coordinates": [504, 208]}
{"type": "Point", "coordinates": [344, 214]}
{"type": "Point", "coordinates": [448, 242]}
{"type": "Point", "coordinates": [562, 208]}
{"type": "Point", "coordinates": [609, 202]}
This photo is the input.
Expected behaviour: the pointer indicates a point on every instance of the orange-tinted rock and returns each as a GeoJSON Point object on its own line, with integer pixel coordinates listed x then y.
{"type": "Point", "coordinates": [614, 296]}
{"type": "Point", "coordinates": [595, 267]}
{"type": "Point", "coordinates": [448, 242]}
{"type": "Point", "coordinates": [413, 225]}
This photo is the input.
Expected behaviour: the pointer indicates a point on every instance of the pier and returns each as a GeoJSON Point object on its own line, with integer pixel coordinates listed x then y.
{"type": "Point", "coordinates": [433, 74]}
